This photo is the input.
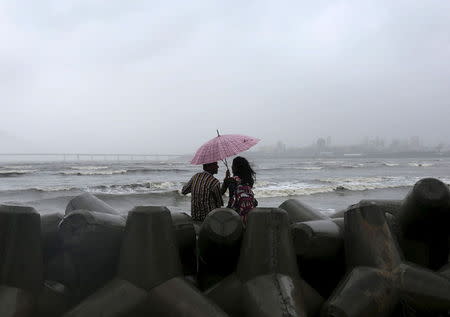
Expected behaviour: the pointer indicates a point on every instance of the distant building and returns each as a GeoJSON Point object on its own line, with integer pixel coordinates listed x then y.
{"type": "Point", "coordinates": [321, 143]}
{"type": "Point", "coordinates": [280, 147]}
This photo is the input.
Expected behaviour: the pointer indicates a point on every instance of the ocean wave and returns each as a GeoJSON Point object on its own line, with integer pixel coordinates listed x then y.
{"type": "Point", "coordinates": [306, 191]}
{"type": "Point", "coordinates": [290, 191]}
{"type": "Point", "coordinates": [416, 164]}
{"type": "Point", "coordinates": [41, 189]}
{"type": "Point", "coordinates": [92, 172]}
{"type": "Point", "coordinates": [93, 167]}
{"type": "Point", "coordinates": [327, 211]}
{"type": "Point", "coordinates": [57, 189]}
{"type": "Point", "coordinates": [359, 165]}
{"type": "Point", "coordinates": [262, 188]}
{"type": "Point", "coordinates": [331, 162]}
{"type": "Point", "coordinates": [106, 170]}
{"type": "Point", "coordinates": [390, 164]}
{"type": "Point", "coordinates": [359, 180]}
{"type": "Point", "coordinates": [136, 188]}
{"type": "Point", "coordinates": [333, 165]}
{"type": "Point", "coordinates": [12, 173]}
{"type": "Point", "coordinates": [153, 170]}
{"type": "Point", "coordinates": [368, 183]}
{"type": "Point", "coordinates": [18, 167]}
{"type": "Point", "coordinates": [336, 184]}
{"type": "Point", "coordinates": [304, 168]}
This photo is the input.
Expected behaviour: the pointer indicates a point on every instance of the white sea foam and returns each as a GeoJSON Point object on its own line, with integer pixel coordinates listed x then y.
{"type": "Point", "coordinates": [390, 164]}
{"type": "Point", "coordinates": [309, 168]}
{"type": "Point", "coordinates": [261, 189]}
{"type": "Point", "coordinates": [290, 189]}
{"type": "Point", "coordinates": [331, 162]}
{"type": "Point", "coordinates": [327, 211]}
{"type": "Point", "coordinates": [11, 172]}
{"type": "Point", "coordinates": [89, 167]}
{"type": "Point", "coordinates": [136, 188]}
{"type": "Point", "coordinates": [419, 164]}
{"type": "Point", "coordinates": [93, 172]}
{"type": "Point", "coordinates": [55, 188]}
{"type": "Point", "coordinates": [18, 167]}
{"type": "Point", "coordinates": [331, 184]}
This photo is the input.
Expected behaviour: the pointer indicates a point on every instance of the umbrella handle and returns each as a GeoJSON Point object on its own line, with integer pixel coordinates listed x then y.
{"type": "Point", "coordinates": [224, 161]}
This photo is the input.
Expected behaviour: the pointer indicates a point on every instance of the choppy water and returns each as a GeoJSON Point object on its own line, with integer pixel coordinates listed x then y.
{"type": "Point", "coordinates": [327, 184]}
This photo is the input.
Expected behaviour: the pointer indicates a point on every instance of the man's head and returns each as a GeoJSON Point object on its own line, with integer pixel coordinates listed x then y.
{"type": "Point", "coordinates": [212, 168]}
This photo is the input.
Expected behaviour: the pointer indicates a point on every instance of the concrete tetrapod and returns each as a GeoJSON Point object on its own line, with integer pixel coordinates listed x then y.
{"type": "Point", "coordinates": [51, 241]}
{"type": "Point", "coordinates": [319, 246]}
{"type": "Point", "coordinates": [327, 238]}
{"type": "Point", "coordinates": [93, 241]}
{"type": "Point", "coordinates": [149, 275]}
{"type": "Point", "coordinates": [185, 237]}
{"type": "Point", "coordinates": [123, 295]}
{"type": "Point", "coordinates": [390, 206]}
{"type": "Point", "coordinates": [423, 224]}
{"type": "Point", "coordinates": [184, 228]}
{"type": "Point", "coordinates": [420, 223]}
{"type": "Point", "coordinates": [299, 212]}
{"type": "Point", "coordinates": [89, 202]}
{"type": "Point", "coordinates": [445, 270]}
{"type": "Point", "coordinates": [58, 269]}
{"type": "Point", "coordinates": [318, 239]}
{"type": "Point", "coordinates": [268, 259]}
{"type": "Point", "coordinates": [267, 271]}
{"type": "Point", "coordinates": [54, 300]}
{"type": "Point", "coordinates": [219, 242]}
{"type": "Point", "coordinates": [379, 278]}
{"type": "Point", "coordinates": [150, 260]}
{"type": "Point", "coordinates": [21, 263]}
{"type": "Point", "coordinates": [117, 298]}
{"type": "Point", "coordinates": [61, 269]}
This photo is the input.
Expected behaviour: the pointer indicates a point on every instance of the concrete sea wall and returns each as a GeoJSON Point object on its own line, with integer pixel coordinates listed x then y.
{"type": "Point", "coordinates": [376, 258]}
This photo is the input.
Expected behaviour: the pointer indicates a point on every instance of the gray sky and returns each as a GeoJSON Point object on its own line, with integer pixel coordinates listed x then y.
{"type": "Point", "coordinates": [161, 76]}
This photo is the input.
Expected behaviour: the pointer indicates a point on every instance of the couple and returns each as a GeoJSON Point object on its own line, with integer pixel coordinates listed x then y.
{"type": "Point", "coordinates": [206, 192]}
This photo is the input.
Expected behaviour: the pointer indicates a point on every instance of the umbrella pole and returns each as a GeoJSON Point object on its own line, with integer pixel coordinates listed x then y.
{"type": "Point", "coordinates": [224, 161]}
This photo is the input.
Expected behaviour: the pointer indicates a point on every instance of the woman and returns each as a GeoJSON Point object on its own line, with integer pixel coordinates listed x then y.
{"type": "Point", "coordinates": [241, 194]}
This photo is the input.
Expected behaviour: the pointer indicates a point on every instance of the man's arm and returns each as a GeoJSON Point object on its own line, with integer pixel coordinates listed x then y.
{"type": "Point", "coordinates": [224, 187]}
{"type": "Point", "coordinates": [217, 194]}
{"type": "Point", "coordinates": [187, 187]}
{"type": "Point", "coordinates": [226, 182]}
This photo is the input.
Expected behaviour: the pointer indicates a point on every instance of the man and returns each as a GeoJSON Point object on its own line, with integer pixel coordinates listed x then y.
{"type": "Point", "coordinates": [206, 193]}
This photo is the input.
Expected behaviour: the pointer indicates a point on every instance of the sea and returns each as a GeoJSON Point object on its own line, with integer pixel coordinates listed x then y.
{"type": "Point", "coordinates": [327, 184]}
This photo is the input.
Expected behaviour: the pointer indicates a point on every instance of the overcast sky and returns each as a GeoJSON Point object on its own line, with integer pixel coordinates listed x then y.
{"type": "Point", "coordinates": [162, 76]}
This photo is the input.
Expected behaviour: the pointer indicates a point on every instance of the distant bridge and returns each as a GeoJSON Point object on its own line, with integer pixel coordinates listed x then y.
{"type": "Point", "coordinates": [90, 156]}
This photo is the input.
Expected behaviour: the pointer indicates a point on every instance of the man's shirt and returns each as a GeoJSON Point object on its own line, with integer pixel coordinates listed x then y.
{"type": "Point", "coordinates": [205, 194]}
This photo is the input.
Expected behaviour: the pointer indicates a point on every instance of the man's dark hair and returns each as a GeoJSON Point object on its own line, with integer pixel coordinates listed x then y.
{"type": "Point", "coordinates": [207, 167]}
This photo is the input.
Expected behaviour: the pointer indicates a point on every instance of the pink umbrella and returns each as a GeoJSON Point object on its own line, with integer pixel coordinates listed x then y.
{"type": "Point", "coordinates": [223, 146]}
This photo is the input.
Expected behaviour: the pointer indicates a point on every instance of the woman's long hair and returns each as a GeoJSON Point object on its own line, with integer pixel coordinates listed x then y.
{"type": "Point", "coordinates": [242, 168]}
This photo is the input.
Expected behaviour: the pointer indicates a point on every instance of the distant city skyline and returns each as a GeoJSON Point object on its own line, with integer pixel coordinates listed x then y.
{"type": "Point", "coordinates": [368, 140]}
{"type": "Point", "coordinates": [12, 144]}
